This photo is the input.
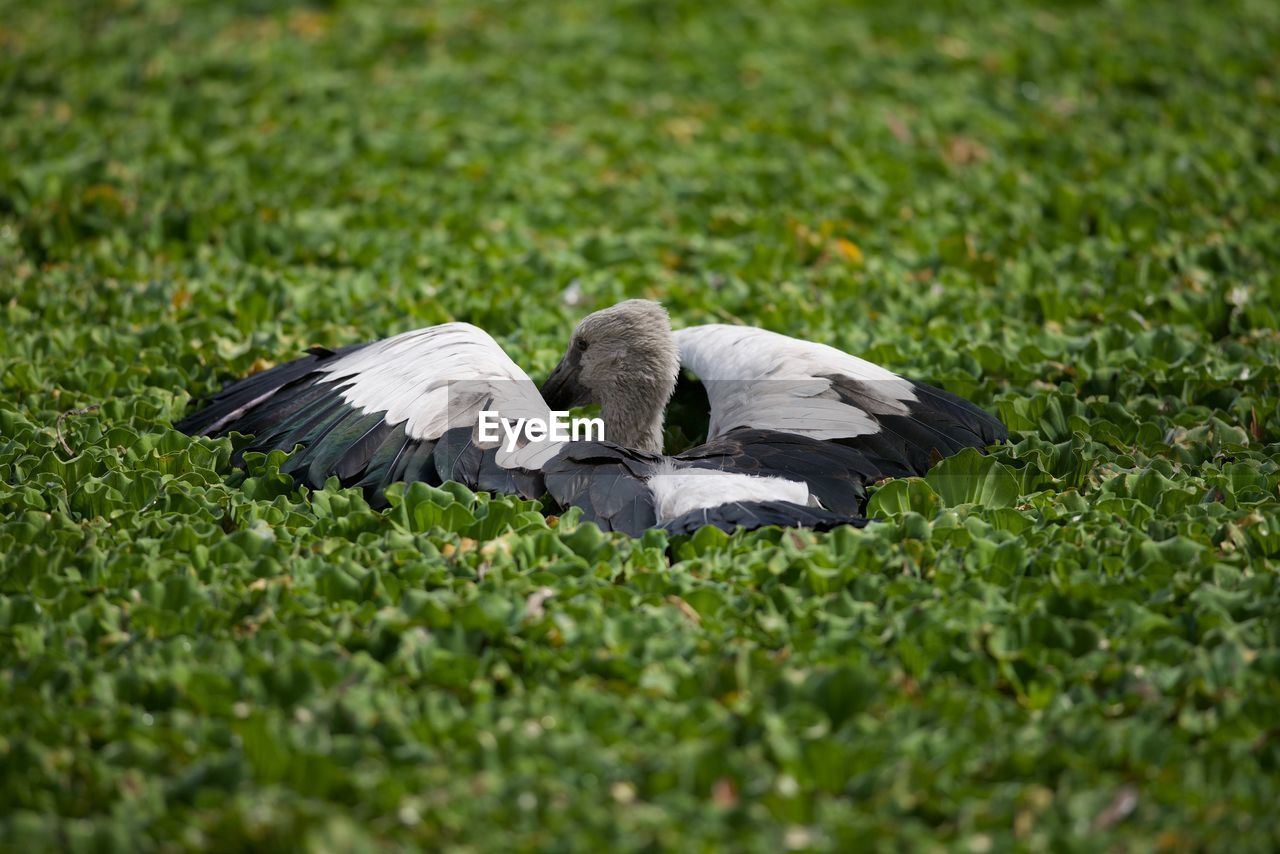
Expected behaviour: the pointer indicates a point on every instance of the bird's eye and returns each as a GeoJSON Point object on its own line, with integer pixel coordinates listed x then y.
{"type": "Point", "coordinates": [582, 344]}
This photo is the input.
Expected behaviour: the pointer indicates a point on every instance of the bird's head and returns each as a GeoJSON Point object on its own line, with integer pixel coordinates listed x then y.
{"type": "Point", "coordinates": [626, 350]}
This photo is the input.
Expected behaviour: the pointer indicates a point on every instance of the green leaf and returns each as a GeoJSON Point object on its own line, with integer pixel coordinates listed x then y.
{"type": "Point", "coordinates": [905, 495]}
{"type": "Point", "coordinates": [971, 477]}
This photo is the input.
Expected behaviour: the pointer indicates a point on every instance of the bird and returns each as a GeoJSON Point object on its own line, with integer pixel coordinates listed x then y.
{"type": "Point", "coordinates": [796, 429]}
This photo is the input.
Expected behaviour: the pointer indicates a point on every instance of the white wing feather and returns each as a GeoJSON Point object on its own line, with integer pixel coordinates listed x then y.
{"type": "Point", "coordinates": [677, 491]}
{"type": "Point", "coordinates": [439, 378]}
{"type": "Point", "coordinates": [765, 380]}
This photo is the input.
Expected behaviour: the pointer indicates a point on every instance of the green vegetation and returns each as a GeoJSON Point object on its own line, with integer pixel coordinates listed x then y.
{"type": "Point", "coordinates": [1068, 214]}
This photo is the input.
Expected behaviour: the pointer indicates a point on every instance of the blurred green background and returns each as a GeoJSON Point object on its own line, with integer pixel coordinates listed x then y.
{"type": "Point", "coordinates": [1067, 212]}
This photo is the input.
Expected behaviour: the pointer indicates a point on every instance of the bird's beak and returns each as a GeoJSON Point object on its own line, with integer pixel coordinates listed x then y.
{"type": "Point", "coordinates": [562, 390]}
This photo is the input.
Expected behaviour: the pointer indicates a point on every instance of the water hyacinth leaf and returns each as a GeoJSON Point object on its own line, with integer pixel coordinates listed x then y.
{"type": "Point", "coordinates": [971, 477]}
{"type": "Point", "coordinates": [422, 507]}
{"type": "Point", "coordinates": [905, 495]}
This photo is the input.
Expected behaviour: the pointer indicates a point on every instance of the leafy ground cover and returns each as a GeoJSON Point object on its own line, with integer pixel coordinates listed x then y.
{"type": "Point", "coordinates": [1067, 213]}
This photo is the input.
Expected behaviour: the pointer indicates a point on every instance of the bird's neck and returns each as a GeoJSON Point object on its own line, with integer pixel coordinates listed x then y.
{"type": "Point", "coordinates": [633, 414]}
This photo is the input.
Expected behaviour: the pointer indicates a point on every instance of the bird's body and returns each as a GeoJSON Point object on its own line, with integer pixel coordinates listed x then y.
{"type": "Point", "coordinates": [796, 429]}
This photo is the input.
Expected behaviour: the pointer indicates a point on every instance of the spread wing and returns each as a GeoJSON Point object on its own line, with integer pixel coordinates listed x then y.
{"type": "Point", "coordinates": [763, 380]}
{"type": "Point", "coordinates": [403, 408]}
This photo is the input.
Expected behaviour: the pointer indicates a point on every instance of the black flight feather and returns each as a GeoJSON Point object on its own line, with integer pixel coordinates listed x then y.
{"type": "Point", "coordinates": [757, 514]}
{"type": "Point", "coordinates": [214, 416]}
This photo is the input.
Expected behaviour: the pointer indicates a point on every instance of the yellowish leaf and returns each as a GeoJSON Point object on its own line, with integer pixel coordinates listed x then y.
{"type": "Point", "coordinates": [848, 250]}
